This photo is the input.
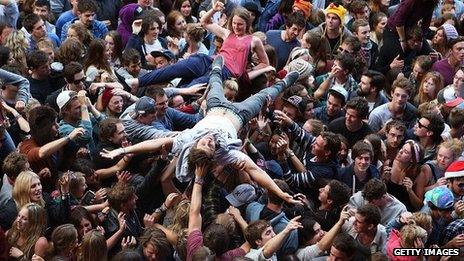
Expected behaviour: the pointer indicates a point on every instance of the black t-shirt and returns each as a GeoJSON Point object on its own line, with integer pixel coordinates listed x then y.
{"type": "Point", "coordinates": [333, 42]}
{"type": "Point", "coordinates": [338, 126]}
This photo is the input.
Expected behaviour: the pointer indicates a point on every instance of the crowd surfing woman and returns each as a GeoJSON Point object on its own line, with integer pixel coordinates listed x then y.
{"type": "Point", "coordinates": [219, 127]}
{"type": "Point", "coordinates": [238, 42]}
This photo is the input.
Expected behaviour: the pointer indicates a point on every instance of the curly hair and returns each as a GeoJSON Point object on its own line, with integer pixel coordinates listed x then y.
{"type": "Point", "coordinates": [71, 50]}
{"type": "Point", "coordinates": [18, 44]}
{"type": "Point", "coordinates": [42, 119]}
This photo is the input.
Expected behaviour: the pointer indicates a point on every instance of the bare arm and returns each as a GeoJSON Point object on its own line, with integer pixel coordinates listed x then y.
{"type": "Point", "coordinates": [276, 242]}
{"type": "Point", "coordinates": [52, 147]}
{"type": "Point", "coordinates": [212, 27]}
{"type": "Point", "coordinates": [145, 146]}
{"type": "Point", "coordinates": [326, 242]}
{"type": "Point", "coordinates": [108, 172]}
{"type": "Point", "coordinates": [195, 205]}
{"type": "Point", "coordinates": [258, 47]}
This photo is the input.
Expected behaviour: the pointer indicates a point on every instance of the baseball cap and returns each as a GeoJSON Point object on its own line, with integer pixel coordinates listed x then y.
{"type": "Point", "coordinates": [144, 105]}
{"type": "Point", "coordinates": [165, 53]}
{"type": "Point", "coordinates": [298, 102]}
{"type": "Point", "coordinates": [340, 91]}
{"type": "Point", "coordinates": [242, 194]}
{"type": "Point", "coordinates": [64, 98]}
{"type": "Point", "coordinates": [441, 197]}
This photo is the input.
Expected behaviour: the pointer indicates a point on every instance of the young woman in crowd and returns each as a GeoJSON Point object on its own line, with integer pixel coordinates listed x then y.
{"type": "Point", "coordinates": [185, 8]}
{"type": "Point", "coordinates": [93, 247]}
{"type": "Point", "coordinates": [79, 32]}
{"type": "Point", "coordinates": [433, 171]}
{"type": "Point", "coordinates": [441, 38]}
{"type": "Point", "coordinates": [112, 102]}
{"type": "Point", "coordinates": [114, 48]}
{"type": "Point", "coordinates": [18, 45]}
{"type": "Point", "coordinates": [429, 87]}
{"type": "Point", "coordinates": [404, 182]}
{"type": "Point", "coordinates": [27, 235]}
{"type": "Point", "coordinates": [192, 41]}
{"type": "Point", "coordinates": [175, 25]}
{"type": "Point", "coordinates": [96, 64]}
{"type": "Point", "coordinates": [378, 21]}
{"type": "Point", "coordinates": [65, 242]}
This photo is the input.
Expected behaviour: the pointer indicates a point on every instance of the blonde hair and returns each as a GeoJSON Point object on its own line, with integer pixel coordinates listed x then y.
{"type": "Point", "coordinates": [231, 85]}
{"type": "Point", "coordinates": [18, 44]}
{"type": "Point", "coordinates": [455, 145]}
{"type": "Point", "coordinates": [423, 220]}
{"type": "Point", "coordinates": [181, 215]}
{"type": "Point", "coordinates": [410, 232]}
{"type": "Point", "coordinates": [37, 223]}
{"type": "Point", "coordinates": [22, 189]}
{"type": "Point", "coordinates": [76, 179]}
{"type": "Point", "coordinates": [93, 247]}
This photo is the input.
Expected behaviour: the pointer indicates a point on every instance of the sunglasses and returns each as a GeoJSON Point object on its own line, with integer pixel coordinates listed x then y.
{"type": "Point", "coordinates": [76, 82]}
{"type": "Point", "coordinates": [420, 125]}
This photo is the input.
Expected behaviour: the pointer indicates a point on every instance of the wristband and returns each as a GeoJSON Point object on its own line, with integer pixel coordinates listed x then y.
{"type": "Point", "coordinates": [402, 41]}
{"type": "Point", "coordinates": [290, 154]}
{"type": "Point", "coordinates": [123, 151]}
{"type": "Point", "coordinates": [68, 139]}
{"type": "Point", "coordinates": [200, 181]}
{"type": "Point", "coordinates": [18, 116]}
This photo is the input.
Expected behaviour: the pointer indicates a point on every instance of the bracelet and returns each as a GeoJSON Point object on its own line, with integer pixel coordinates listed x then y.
{"type": "Point", "coordinates": [199, 180]}
{"type": "Point", "coordinates": [402, 41]}
{"type": "Point", "coordinates": [290, 154]}
{"type": "Point", "coordinates": [18, 116]}
{"type": "Point", "coordinates": [123, 151]}
{"type": "Point", "coordinates": [163, 207]}
{"type": "Point", "coordinates": [68, 139]}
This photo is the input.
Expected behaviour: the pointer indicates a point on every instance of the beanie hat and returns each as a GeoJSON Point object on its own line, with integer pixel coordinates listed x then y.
{"type": "Point", "coordinates": [455, 170]}
{"type": "Point", "coordinates": [301, 66]}
{"type": "Point", "coordinates": [337, 10]}
{"type": "Point", "coordinates": [304, 6]}
{"type": "Point", "coordinates": [298, 52]}
{"type": "Point", "coordinates": [450, 31]}
{"type": "Point", "coordinates": [106, 96]}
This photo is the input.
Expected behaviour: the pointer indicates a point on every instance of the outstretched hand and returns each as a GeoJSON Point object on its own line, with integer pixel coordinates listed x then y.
{"type": "Point", "coordinates": [111, 154]}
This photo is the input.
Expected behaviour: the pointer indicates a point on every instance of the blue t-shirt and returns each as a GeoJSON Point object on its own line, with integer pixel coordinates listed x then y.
{"type": "Point", "coordinates": [282, 48]}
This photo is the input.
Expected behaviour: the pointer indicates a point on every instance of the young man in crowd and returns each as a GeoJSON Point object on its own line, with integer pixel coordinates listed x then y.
{"type": "Point", "coordinates": [285, 40]}
{"type": "Point", "coordinates": [399, 107]}
{"type": "Point", "coordinates": [371, 87]}
{"type": "Point", "coordinates": [352, 126]}
{"type": "Point", "coordinates": [86, 15]}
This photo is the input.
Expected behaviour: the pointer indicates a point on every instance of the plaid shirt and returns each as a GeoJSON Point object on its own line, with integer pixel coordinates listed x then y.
{"type": "Point", "coordinates": [351, 86]}
{"type": "Point", "coordinates": [453, 229]}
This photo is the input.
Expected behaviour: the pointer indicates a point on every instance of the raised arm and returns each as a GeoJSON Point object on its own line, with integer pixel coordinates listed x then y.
{"type": "Point", "coordinates": [213, 27]}
{"type": "Point", "coordinates": [195, 205]}
{"type": "Point", "coordinates": [274, 244]}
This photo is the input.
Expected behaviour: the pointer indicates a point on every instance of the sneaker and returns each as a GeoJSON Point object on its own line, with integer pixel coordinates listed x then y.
{"type": "Point", "coordinates": [291, 78]}
{"type": "Point", "coordinates": [218, 63]}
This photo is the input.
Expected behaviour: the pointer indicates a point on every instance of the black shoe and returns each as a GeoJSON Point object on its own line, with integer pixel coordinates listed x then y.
{"type": "Point", "coordinates": [291, 78]}
{"type": "Point", "coordinates": [218, 63]}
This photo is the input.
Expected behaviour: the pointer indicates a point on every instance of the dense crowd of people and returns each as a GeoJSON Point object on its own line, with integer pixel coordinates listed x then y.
{"type": "Point", "coordinates": [231, 129]}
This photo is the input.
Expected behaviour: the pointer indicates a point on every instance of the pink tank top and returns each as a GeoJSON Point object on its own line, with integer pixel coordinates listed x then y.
{"type": "Point", "coordinates": [235, 53]}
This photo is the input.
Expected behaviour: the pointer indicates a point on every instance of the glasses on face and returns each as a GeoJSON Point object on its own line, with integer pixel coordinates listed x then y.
{"type": "Point", "coordinates": [78, 81]}
{"type": "Point", "coordinates": [420, 125]}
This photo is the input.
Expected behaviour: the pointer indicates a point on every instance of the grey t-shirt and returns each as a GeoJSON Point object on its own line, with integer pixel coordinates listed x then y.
{"type": "Point", "coordinates": [227, 143]}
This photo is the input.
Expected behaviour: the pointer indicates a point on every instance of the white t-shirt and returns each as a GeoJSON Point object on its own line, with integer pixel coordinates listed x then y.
{"type": "Point", "coordinates": [309, 252]}
{"type": "Point", "coordinates": [156, 46]}
{"type": "Point", "coordinates": [257, 255]}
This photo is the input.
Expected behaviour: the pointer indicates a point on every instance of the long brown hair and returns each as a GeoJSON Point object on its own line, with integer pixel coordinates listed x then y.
{"type": "Point", "coordinates": [37, 223]}
{"type": "Point", "coordinates": [437, 78]}
{"type": "Point", "coordinates": [96, 56]}
{"type": "Point", "coordinates": [242, 13]}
